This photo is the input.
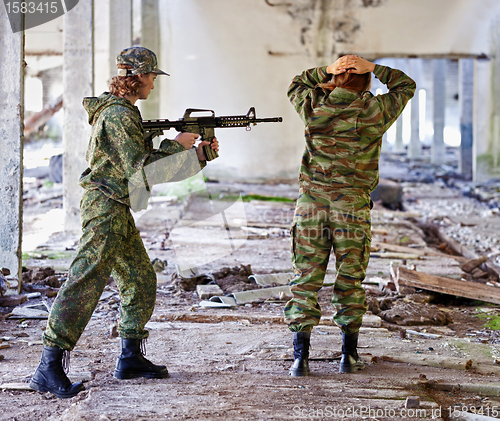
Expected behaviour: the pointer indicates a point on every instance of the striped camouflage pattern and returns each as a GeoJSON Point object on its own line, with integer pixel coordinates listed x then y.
{"type": "Point", "coordinates": [110, 244]}
{"type": "Point", "coordinates": [339, 169]}
{"type": "Point", "coordinates": [322, 221]}
{"type": "Point", "coordinates": [117, 152]}
{"type": "Point", "coordinates": [343, 129]}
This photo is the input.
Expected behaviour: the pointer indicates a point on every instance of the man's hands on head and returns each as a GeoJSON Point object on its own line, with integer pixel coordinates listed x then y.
{"type": "Point", "coordinates": [350, 64]}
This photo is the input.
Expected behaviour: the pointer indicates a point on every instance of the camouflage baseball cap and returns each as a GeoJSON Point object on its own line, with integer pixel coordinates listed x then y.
{"type": "Point", "coordinates": [140, 59]}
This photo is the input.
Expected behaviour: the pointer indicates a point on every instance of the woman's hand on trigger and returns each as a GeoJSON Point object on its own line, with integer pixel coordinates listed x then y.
{"type": "Point", "coordinates": [187, 139]}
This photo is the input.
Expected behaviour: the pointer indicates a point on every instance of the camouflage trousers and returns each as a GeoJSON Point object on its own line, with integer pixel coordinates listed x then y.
{"type": "Point", "coordinates": [110, 244]}
{"type": "Point", "coordinates": [338, 220]}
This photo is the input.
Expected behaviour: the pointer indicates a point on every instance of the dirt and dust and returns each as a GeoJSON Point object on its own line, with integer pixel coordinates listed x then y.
{"type": "Point", "coordinates": [232, 363]}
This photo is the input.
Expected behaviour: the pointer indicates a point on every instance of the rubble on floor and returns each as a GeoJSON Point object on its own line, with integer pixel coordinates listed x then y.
{"type": "Point", "coordinates": [425, 348]}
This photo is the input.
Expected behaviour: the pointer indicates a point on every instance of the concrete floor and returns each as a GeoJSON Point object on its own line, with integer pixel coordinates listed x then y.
{"type": "Point", "coordinates": [233, 363]}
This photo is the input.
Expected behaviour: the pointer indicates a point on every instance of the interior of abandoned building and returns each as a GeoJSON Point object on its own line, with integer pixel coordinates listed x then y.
{"type": "Point", "coordinates": [219, 241]}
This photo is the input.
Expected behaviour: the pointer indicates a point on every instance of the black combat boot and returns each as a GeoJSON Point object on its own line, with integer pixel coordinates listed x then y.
{"type": "Point", "coordinates": [301, 342]}
{"type": "Point", "coordinates": [50, 375]}
{"type": "Point", "coordinates": [132, 364]}
{"type": "Point", "coordinates": [350, 361]}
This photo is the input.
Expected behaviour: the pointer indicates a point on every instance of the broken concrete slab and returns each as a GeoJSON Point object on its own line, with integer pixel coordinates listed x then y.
{"type": "Point", "coordinates": [188, 279]}
{"type": "Point", "coordinates": [272, 278]}
{"type": "Point", "coordinates": [208, 290]}
{"type": "Point", "coordinates": [219, 301]}
{"type": "Point", "coordinates": [35, 311]}
{"type": "Point", "coordinates": [280, 293]}
{"type": "Point", "coordinates": [410, 332]}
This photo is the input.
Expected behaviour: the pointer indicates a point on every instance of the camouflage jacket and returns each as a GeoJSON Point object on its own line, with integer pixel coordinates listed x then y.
{"type": "Point", "coordinates": [343, 129]}
{"type": "Point", "coordinates": [122, 164]}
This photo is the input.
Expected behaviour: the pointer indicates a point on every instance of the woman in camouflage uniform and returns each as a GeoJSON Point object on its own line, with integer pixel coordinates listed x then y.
{"type": "Point", "coordinates": [344, 124]}
{"type": "Point", "coordinates": [116, 179]}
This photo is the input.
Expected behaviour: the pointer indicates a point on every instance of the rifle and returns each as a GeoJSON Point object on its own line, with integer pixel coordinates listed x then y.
{"type": "Point", "coordinates": [204, 125]}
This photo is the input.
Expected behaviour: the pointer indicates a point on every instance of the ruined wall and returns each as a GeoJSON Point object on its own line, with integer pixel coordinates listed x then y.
{"type": "Point", "coordinates": [233, 55]}
{"type": "Point", "coordinates": [230, 57]}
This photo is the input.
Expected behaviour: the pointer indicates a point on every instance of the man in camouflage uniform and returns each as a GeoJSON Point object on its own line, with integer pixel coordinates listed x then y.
{"type": "Point", "coordinates": [344, 125]}
{"type": "Point", "coordinates": [117, 156]}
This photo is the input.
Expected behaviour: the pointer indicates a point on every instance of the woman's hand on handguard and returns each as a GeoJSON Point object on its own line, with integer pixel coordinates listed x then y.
{"type": "Point", "coordinates": [351, 64]}
{"type": "Point", "coordinates": [199, 149]}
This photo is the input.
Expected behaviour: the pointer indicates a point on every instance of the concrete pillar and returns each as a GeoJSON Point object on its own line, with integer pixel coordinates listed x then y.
{"type": "Point", "coordinates": [113, 23]}
{"type": "Point", "coordinates": [102, 23]}
{"type": "Point", "coordinates": [482, 124]}
{"type": "Point", "coordinates": [427, 83]}
{"type": "Point", "coordinates": [78, 78]}
{"type": "Point", "coordinates": [415, 146]}
{"type": "Point", "coordinates": [438, 149]}
{"type": "Point", "coordinates": [11, 143]}
{"type": "Point", "coordinates": [466, 104]}
{"type": "Point", "coordinates": [492, 163]}
{"type": "Point", "coordinates": [150, 38]}
{"type": "Point", "coordinates": [398, 142]}
{"type": "Point", "coordinates": [120, 34]}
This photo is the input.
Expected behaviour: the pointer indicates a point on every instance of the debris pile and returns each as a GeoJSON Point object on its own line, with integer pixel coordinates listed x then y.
{"type": "Point", "coordinates": [235, 279]}
{"type": "Point", "coordinates": [415, 314]}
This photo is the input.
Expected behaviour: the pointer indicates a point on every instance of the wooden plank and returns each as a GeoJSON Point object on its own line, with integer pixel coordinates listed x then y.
{"type": "Point", "coordinates": [466, 289]}
{"type": "Point", "coordinates": [424, 251]}
{"type": "Point", "coordinates": [463, 250]}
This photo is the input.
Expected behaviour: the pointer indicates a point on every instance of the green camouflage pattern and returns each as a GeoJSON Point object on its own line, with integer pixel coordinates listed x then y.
{"type": "Point", "coordinates": [118, 153]}
{"type": "Point", "coordinates": [343, 129]}
{"type": "Point", "coordinates": [118, 157]}
{"type": "Point", "coordinates": [140, 59]}
{"type": "Point", "coordinates": [339, 169]}
{"type": "Point", "coordinates": [110, 244]}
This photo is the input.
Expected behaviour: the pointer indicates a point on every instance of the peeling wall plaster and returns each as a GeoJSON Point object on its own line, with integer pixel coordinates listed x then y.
{"type": "Point", "coordinates": [329, 26]}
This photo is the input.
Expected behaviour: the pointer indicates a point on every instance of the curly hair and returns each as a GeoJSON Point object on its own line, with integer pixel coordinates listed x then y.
{"type": "Point", "coordinates": [124, 85]}
{"type": "Point", "coordinates": [352, 81]}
